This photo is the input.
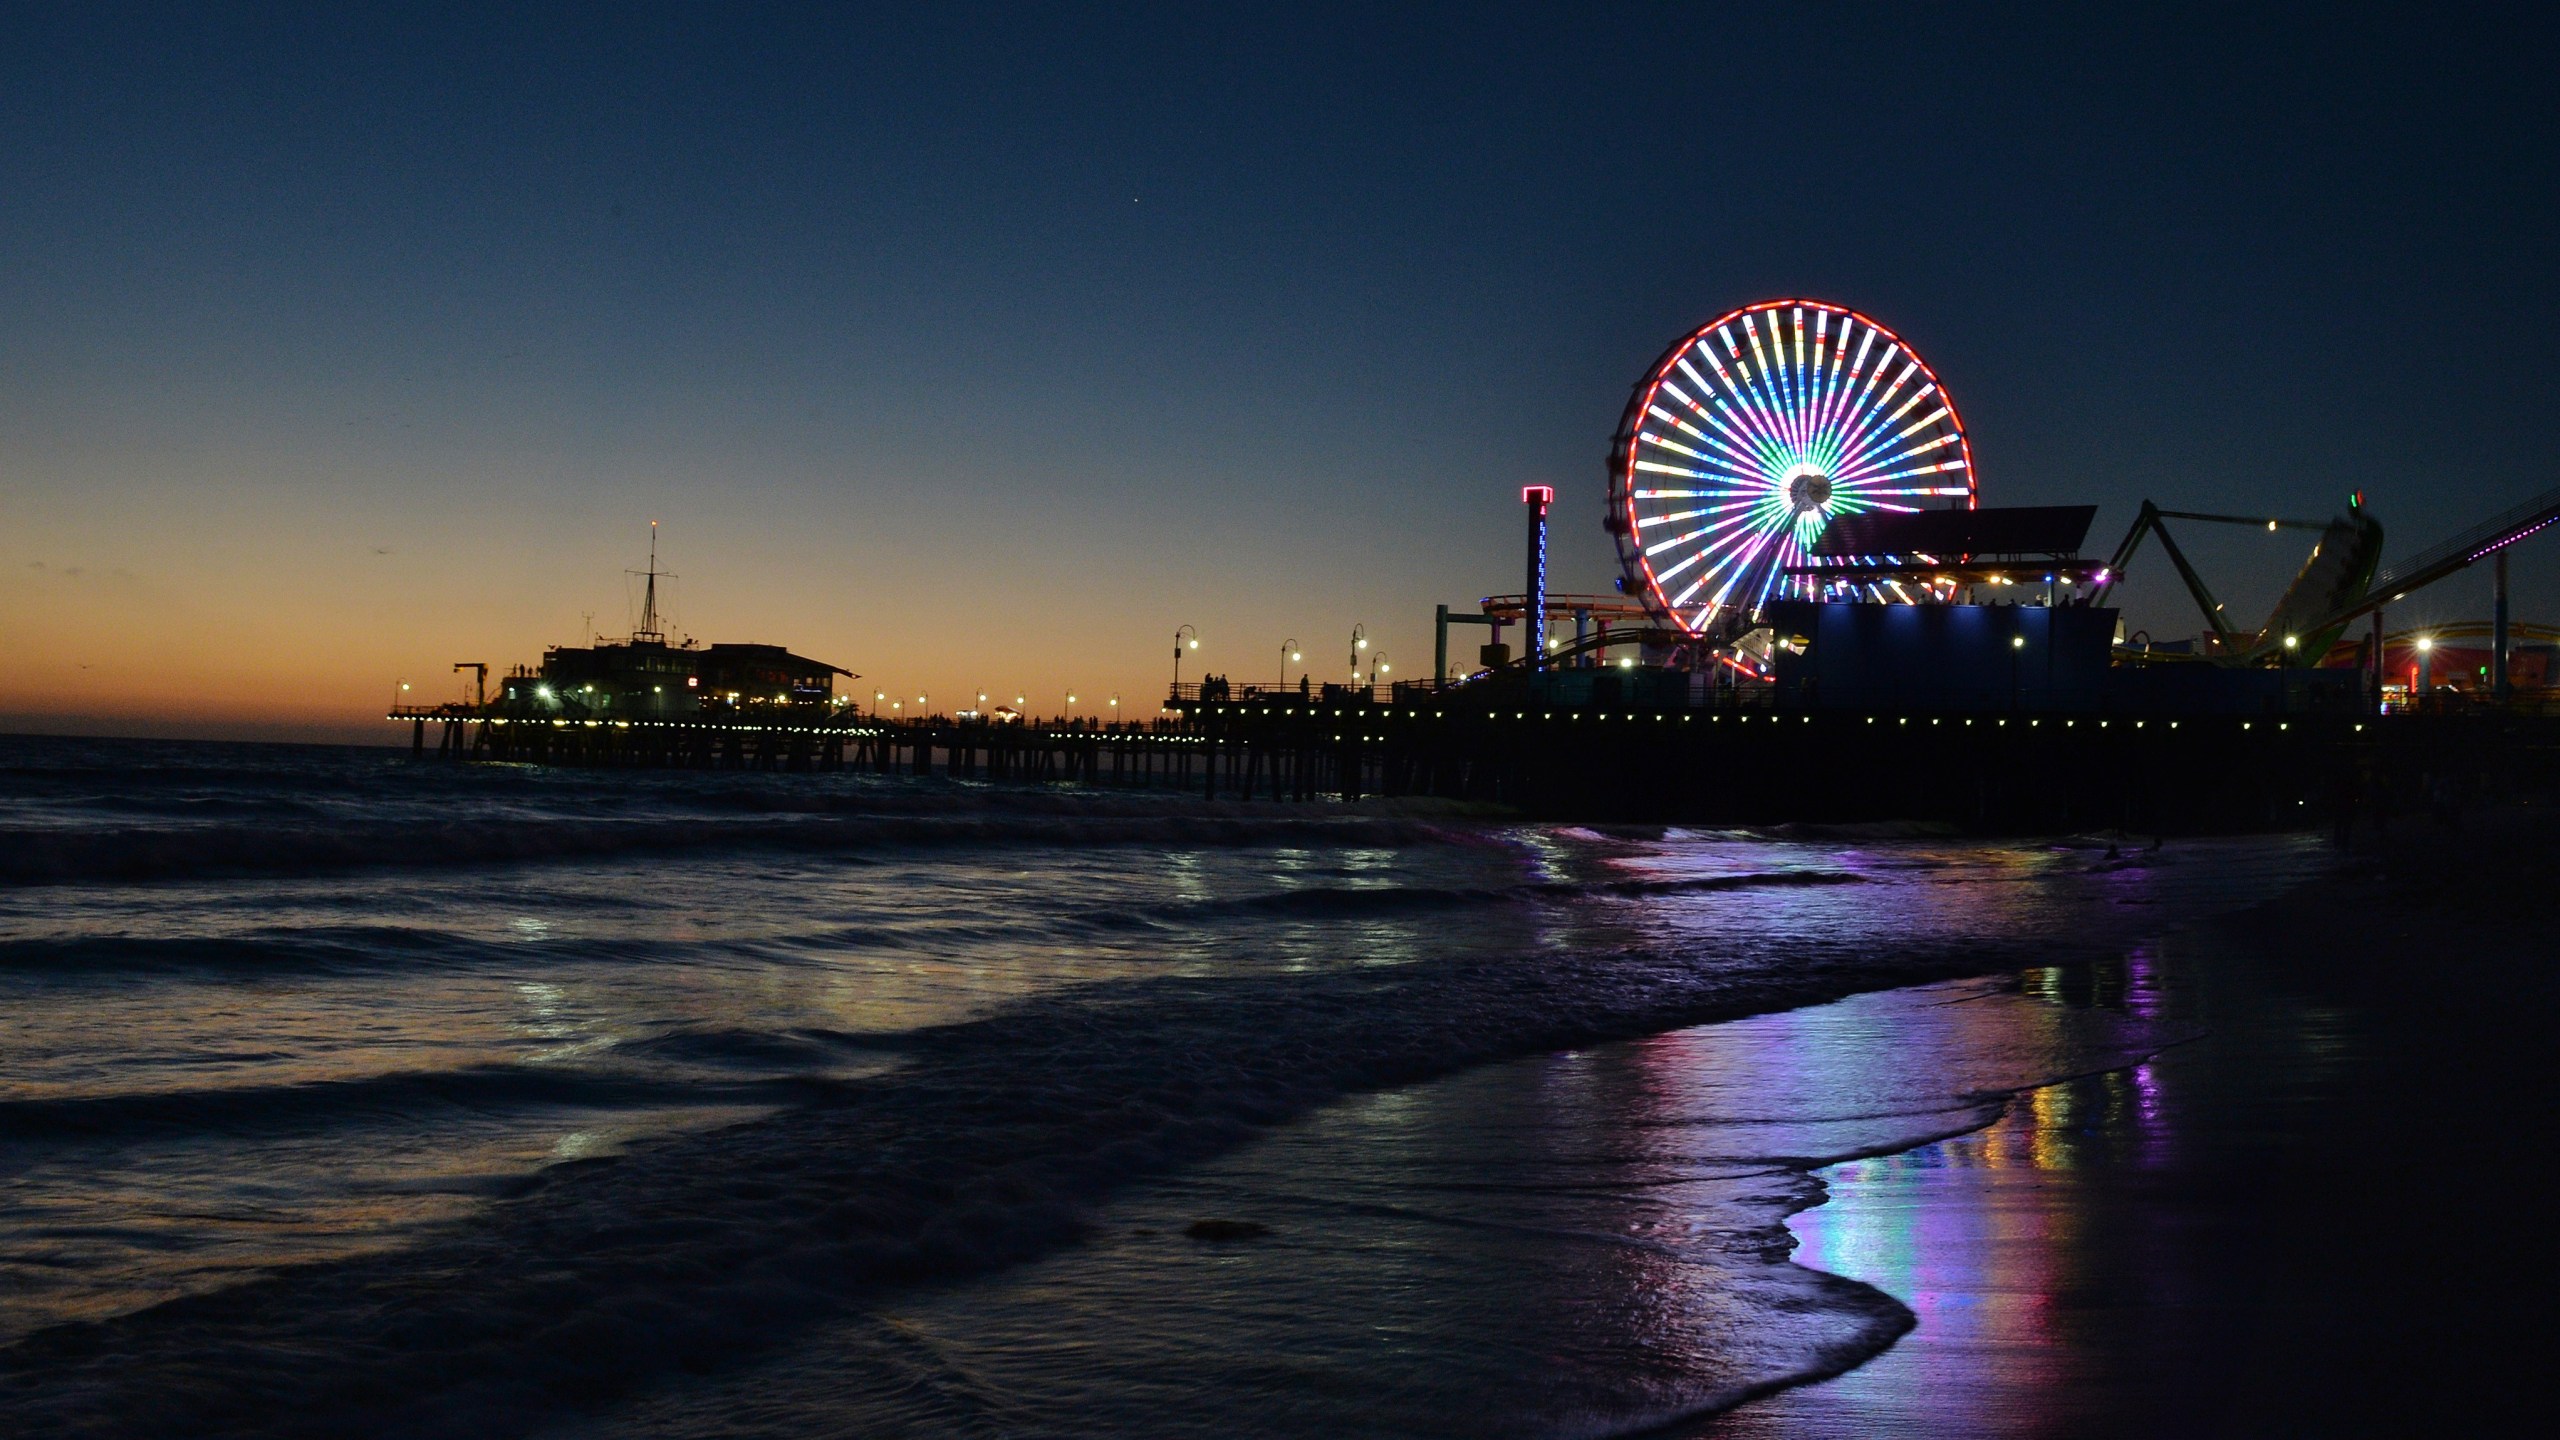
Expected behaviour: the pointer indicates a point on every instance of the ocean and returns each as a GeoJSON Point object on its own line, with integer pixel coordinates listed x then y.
{"type": "Point", "coordinates": [342, 1093]}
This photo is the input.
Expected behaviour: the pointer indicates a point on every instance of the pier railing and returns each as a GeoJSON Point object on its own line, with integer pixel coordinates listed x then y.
{"type": "Point", "coordinates": [1243, 691]}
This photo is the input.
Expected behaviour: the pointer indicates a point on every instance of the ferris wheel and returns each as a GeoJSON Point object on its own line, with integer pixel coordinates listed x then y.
{"type": "Point", "coordinates": [1750, 434]}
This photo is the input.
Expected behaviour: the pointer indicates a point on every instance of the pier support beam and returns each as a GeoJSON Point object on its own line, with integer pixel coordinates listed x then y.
{"type": "Point", "coordinates": [2498, 636]}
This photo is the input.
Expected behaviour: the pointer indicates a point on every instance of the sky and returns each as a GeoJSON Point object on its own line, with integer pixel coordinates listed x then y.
{"type": "Point", "coordinates": [977, 349]}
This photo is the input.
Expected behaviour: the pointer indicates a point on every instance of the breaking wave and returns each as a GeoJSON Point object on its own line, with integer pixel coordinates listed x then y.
{"type": "Point", "coordinates": [1332, 902]}
{"type": "Point", "coordinates": [272, 1108]}
{"type": "Point", "coordinates": [990, 1145]}
{"type": "Point", "coordinates": [50, 856]}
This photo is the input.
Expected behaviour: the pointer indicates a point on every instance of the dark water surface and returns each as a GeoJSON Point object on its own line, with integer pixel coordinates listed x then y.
{"type": "Point", "coordinates": [339, 1094]}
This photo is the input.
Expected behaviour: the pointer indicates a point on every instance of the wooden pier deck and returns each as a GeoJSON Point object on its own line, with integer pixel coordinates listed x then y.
{"type": "Point", "coordinates": [1733, 760]}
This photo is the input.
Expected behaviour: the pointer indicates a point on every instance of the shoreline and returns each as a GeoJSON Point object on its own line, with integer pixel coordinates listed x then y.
{"type": "Point", "coordinates": [2246, 1232]}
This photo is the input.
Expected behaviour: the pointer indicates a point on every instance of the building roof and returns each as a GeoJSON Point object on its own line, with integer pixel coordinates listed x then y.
{"type": "Point", "coordinates": [2013, 530]}
{"type": "Point", "coordinates": [771, 655]}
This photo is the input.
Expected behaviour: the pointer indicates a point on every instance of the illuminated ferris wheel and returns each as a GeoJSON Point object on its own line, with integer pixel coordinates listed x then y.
{"type": "Point", "coordinates": [1750, 434]}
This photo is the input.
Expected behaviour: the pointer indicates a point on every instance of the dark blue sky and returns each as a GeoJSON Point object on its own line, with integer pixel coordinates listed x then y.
{"type": "Point", "coordinates": [980, 348]}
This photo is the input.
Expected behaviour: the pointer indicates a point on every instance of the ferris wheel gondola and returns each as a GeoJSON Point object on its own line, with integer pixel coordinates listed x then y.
{"type": "Point", "coordinates": [1750, 434]}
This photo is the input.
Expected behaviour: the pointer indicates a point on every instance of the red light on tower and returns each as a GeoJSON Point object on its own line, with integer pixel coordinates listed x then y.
{"type": "Point", "coordinates": [1541, 496]}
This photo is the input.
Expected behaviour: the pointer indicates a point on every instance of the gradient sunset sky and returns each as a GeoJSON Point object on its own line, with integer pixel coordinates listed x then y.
{"type": "Point", "coordinates": [978, 348]}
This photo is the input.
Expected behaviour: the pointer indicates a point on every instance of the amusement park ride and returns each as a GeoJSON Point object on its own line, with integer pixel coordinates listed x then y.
{"type": "Point", "coordinates": [1795, 452]}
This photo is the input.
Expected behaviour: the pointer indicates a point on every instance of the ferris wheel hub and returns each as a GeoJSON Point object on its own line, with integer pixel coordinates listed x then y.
{"type": "Point", "coordinates": [1808, 488]}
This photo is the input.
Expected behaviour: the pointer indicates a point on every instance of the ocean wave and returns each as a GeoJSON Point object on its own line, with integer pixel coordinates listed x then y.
{"type": "Point", "coordinates": [989, 1145]}
{"type": "Point", "coordinates": [807, 1048]}
{"type": "Point", "coordinates": [1351, 902]}
{"type": "Point", "coordinates": [348, 948]}
{"type": "Point", "coordinates": [374, 1099]}
{"type": "Point", "coordinates": [35, 855]}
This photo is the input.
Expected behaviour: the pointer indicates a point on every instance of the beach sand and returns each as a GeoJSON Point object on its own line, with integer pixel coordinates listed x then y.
{"type": "Point", "coordinates": [2331, 1214]}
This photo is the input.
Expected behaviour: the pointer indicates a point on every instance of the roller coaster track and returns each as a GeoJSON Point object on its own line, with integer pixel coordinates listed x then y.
{"type": "Point", "coordinates": [2455, 553]}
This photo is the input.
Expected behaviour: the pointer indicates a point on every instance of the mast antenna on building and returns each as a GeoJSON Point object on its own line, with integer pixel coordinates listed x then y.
{"type": "Point", "coordinates": [649, 628]}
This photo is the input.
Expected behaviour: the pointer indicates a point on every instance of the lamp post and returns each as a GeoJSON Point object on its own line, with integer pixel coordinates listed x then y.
{"type": "Point", "coordinates": [1288, 652]}
{"type": "Point", "coordinates": [2284, 675]}
{"type": "Point", "coordinates": [1179, 632]}
{"type": "Point", "coordinates": [1359, 642]}
{"type": "Point", "coordinates": [2426, 665]}
{"type": "Point", "coordinates": [2017, 644]}
{"type": "Point", "coordinates": [1378, 666]}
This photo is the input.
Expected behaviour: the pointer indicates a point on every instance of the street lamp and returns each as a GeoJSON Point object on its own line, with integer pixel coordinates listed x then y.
{"type": "Point", "coordinates": [1179, 632]}
{"type": "Point", "coordinates": [876, 697]}
{"type": "Point", "coordinates": [1359, 642]}
{"type": "Point", "coordinates": [2426, 663]}
{"type": "Point", "coordinates": [1288, 652]}
{"type": "Point", "coordinates": [1378, 666]}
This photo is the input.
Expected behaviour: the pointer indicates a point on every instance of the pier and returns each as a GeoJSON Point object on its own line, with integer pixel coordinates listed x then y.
{"type": "Point", "coordinates": [1737, 758]}
{"type": "Point", "coordinates": [1848, 643]}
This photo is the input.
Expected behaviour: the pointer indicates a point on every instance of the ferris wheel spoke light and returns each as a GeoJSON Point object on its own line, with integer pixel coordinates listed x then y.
{"type": "Point", "coordinates": [1668, 575]}
{"type": "Point", "coordinates": [1872, 406]}
{"type": "Point", "coordinates": [1703, 510]}
{"type": "Point", "coordinates": [1719, 468]}
{"type": "Point", "coordinates": [1766, 422]}
{"type": "Point", "coordinates": [1856, 473]}
{"type": "Point", "coordinates": [1676, 423]}
{"type": "Point", "coordinates": [1905, 408]}
{"type": "Point", "coordinates": [1675, 447]}
{"type": "Point", "coordinates": [1659, 467]}
{"type": "Point", "coordinates": [1736, 446]}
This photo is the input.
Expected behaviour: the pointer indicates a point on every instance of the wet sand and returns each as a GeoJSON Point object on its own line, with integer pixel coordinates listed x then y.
{"type": "Point", "coordinates": [2329, 1215]}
